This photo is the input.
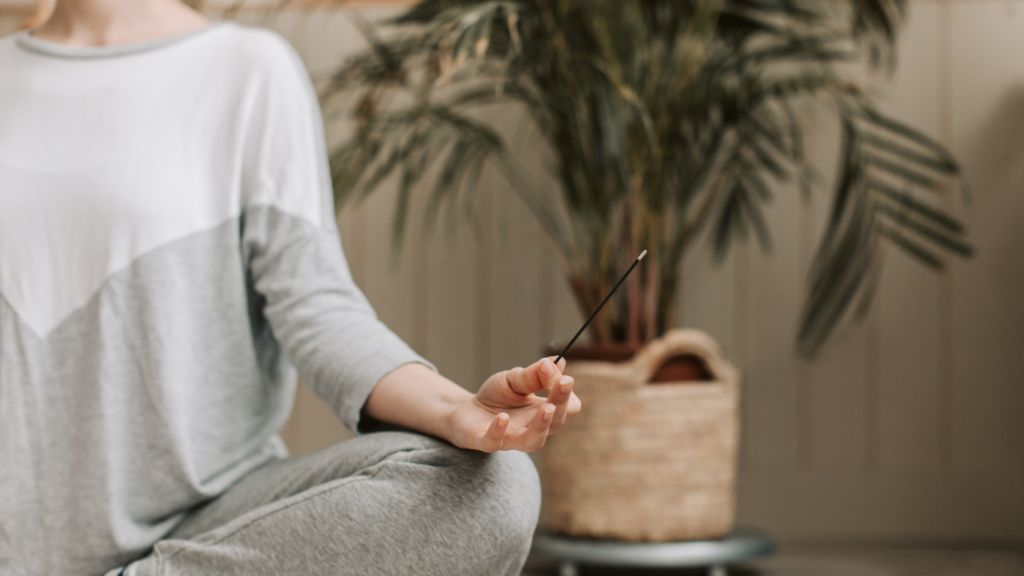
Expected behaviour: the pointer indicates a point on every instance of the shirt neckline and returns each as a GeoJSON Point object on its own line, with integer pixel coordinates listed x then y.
{"type": "Point", "coordinates": [29, 42]}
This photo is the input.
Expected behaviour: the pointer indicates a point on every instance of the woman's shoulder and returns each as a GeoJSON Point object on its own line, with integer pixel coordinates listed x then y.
{"type": "Point", "coordinates": [257, 49]}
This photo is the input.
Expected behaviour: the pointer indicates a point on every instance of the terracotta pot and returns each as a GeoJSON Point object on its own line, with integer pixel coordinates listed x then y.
{"type": "Point", "coordinates": [642, 462]}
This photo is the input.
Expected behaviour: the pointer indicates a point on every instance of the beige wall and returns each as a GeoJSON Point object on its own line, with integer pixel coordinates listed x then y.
{"type": "Point", "coordinates": [908, 426]}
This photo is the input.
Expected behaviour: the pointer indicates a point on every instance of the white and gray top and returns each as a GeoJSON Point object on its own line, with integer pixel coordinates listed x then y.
{"type": "Point", "coordinates": [167, 252]}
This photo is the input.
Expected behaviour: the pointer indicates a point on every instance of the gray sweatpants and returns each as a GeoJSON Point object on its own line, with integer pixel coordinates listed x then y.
{"type": "Point", "coordinates": [384, 503]}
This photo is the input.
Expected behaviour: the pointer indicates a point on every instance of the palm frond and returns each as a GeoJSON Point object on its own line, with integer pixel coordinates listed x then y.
{"type": "Point", "coordinates": [667, 120]}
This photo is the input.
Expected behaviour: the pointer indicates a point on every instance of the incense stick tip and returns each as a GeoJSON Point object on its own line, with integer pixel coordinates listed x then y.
{"type": "Point", "coordinates": [642, 254]}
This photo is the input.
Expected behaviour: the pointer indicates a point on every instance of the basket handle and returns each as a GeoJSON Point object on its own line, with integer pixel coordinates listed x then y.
{"type": "Point", "coordinates": [680, 342]}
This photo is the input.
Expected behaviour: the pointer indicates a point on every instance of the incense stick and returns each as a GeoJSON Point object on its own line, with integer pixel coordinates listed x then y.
{"type": "Point", "coordinates": [587, 323]}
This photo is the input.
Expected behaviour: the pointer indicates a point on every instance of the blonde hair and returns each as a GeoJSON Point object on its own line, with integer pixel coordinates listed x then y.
{"type": "Point", "coordinates": [43, 10]}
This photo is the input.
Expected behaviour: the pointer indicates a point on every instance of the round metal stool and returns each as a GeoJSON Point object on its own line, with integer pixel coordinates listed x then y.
{"type": "Point", "coordinates": [742, 544]}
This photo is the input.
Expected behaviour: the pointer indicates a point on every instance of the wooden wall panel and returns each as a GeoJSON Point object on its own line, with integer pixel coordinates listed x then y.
{"type": "Point", "coordinates": [835, 386]}
{"type": "Point", "coordinates": [514, 321]}
{"type": "Point", "coordinates": [902, 486]}
{"type": "Point", "coordinates": [558, 316]}
{"type": "Point", "coordinates": [987, 112]}
{"type": "Point", "coordinates": [771, 372]}
{"type": "Point", "coordinates": [838, 402]}
{"type": "Point", "coordinates": [885, 507]}
{"type": "Point", "coordinates": [909, 433]}
{"type": "Point", "coordinates": [906, 433]}
{"type": "Point", "coordinates": [706, 297]}
{"type": "Point", "coordinates": [453, 306]}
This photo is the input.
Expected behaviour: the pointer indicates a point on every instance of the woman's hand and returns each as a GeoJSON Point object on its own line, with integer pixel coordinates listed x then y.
{"type": "Point", "coordinates": [506, 414]}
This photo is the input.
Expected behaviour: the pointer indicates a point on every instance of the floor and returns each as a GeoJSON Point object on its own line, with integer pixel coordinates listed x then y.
{"type": "Point", "coordinates": [817, 561]}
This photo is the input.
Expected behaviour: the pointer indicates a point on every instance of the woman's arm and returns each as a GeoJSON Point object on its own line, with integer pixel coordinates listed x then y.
{"type": "Point", "coordinates": [505, 414]}
{"type": "Point", "coordinates": [303, 289]}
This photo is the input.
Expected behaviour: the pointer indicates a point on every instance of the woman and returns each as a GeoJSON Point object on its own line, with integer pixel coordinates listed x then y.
{"type": "Point", "coordinates": [167, 253]}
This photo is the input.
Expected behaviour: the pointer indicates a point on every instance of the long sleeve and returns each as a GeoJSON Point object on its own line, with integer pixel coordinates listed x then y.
{"type": "Point", "coordinates": [300, 280]}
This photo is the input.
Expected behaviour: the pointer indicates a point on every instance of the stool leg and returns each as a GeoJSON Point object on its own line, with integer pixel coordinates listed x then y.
{"type": "Point", "coordinates": [567, 569]}
{"type": "Point", "coordinates": [717, 570]}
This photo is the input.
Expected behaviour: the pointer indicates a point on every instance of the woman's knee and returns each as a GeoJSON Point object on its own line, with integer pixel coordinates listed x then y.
{"type": "Point", "coordinates": [497, 500]}
{"type": "Point", "coordinates": [480, 508]}
{"type": "Point", "coordinates": [514, 489]}
{"type": "Point", "coordinates": [503, 482]}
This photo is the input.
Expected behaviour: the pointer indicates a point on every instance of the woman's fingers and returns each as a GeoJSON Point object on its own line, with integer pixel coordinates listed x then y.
{"type": "Point", "coordinates": [549, 417]}
{"type": "Point", "coordinates": [561, 363]}
{"type": "Point", "coordinates": [537, 432]}
{"type": "Point", "coordinates": [494, 438]}
{"type": "Point", "coordinates": [548, 374]}
{"type": "Point", "coordinates": [517, 380]}
{"type": "Point", "coordinates": [541, 375]}
{"type": "Point", "coordinates": [575, 405]}
{"type": "Point", "coordinates": [560, 395]}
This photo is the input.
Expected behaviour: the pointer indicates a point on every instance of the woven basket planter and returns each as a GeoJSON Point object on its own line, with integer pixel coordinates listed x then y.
{"type": "Point", "coordinates": [647, 462]}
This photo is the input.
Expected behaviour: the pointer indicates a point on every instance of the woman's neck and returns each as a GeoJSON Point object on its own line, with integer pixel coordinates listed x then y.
{"type": "Point", "coordinates": [110, 22]}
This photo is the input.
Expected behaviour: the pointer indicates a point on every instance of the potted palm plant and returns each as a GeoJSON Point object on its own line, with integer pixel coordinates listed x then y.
{"type": "Point", "coordinates": [669, 121]}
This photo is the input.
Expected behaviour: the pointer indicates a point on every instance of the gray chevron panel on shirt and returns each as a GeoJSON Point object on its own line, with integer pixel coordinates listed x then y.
{"type": "Point", "coordinates": [170, 384]}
